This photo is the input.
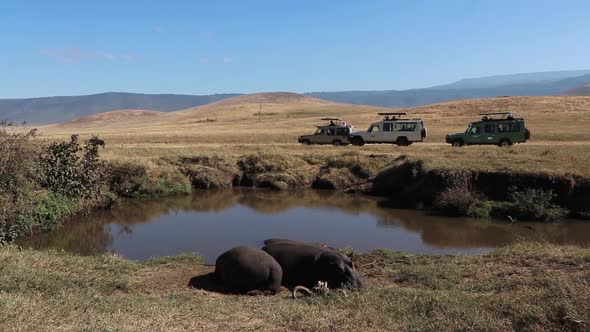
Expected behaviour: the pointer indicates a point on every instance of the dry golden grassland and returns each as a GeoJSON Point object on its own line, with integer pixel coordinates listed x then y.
{"type": "Point", "coordinates": [271, 123]}
{"type": "Point", "coordinates": [528, 286]}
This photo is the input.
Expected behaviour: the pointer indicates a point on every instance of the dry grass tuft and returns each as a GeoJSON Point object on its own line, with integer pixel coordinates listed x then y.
{"type": "Point", "coordinates": [532, 286]}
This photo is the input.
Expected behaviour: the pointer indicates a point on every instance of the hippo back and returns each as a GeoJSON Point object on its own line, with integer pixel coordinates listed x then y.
{"type": "Point", "coordinates": [244, 269]}
{"type": "Point", "coordinates": [347, 259]}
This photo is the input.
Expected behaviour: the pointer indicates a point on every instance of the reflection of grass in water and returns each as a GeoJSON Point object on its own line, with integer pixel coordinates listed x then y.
{"type": "Point", "coordinates": [450, 232]}
{"type": "Point", "coordinates": [271, 202]}
{"type": "Point", "coordinates": [89, 235]}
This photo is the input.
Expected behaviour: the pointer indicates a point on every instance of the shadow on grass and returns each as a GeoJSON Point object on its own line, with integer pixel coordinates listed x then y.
{"type": "Point", "coordinates": [208, 282]}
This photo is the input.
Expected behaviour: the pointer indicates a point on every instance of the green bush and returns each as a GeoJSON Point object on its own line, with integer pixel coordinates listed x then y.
{"type": "Point", "coordinates": [462, 202]}
{"type": "Point", "coordinates": [535, 204]}
{"type": "Point", "coordinates": [163, 181]}
{"type": "Point", "coordinates": [51, 209]}
{"type": "Point", "coordinates": [42, 209]}
{"type": "Point", "coordinates": [65, 172]}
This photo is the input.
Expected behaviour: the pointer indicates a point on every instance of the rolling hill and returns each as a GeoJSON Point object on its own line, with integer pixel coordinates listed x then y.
{"type": "Point", "coordinates": [118, 117]}
{"type": "Point", "coordinates": [580, 91]}
{"type": "Point", "coordinates": [286, 115]}
{"type": "Point", "coordinates": [60, 109]}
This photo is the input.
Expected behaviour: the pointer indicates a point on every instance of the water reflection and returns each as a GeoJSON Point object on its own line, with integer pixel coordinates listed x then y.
{"type": "Point", "coordinates": [211, 222]}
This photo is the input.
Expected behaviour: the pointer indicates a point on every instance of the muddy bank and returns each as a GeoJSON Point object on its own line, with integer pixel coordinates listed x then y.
{"type": "Point", "coordinates": [408, 183]}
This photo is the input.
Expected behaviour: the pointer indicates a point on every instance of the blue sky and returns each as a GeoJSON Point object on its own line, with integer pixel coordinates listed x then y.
{"type": "Point", "coordinates": [202, 47]}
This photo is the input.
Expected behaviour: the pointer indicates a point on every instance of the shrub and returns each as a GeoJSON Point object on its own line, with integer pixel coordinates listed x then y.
{"type": "Point", "coordinates": [45, 210]}
{"type": "Point", "coordinates": [17, 179]}
{"type": "Point", "coordinates": [163, 181]}
{"type": "Point", "coordinates": [17, 155]}
{"type": "Point", "coordinates": [535, 204]}
{"type": "Point", "coordinates": [462, 202]}
{"type": "Point", "coordinates": [125, 179]}
{"type": "Point", "coordinates": [64, 172]}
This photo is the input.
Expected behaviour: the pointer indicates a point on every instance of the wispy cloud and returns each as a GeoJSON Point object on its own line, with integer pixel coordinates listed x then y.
{"type": "Point", "coordinates": [68, 55]}
{"type": "Point", "coordinates": [73, 55]}
{"type": "Point", "coordinates": [224, 60]}
{"type": "Point", "coordinates": [128, 57]}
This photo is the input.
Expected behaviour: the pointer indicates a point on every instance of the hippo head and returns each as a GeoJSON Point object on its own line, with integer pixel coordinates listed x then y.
{"type": "Point", "coordinates": [332, 268]}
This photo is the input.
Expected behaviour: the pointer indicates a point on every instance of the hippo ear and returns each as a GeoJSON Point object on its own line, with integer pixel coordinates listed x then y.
{"type": "Point", "coordinates": [351, 256]}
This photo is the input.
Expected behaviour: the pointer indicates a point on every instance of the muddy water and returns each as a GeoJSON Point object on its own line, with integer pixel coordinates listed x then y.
{"type": "Point", "coordinates": [212, 222]}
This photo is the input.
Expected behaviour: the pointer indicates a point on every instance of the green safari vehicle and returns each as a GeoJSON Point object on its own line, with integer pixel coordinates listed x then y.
{"type": "Point", "coordinates": [495, 128]}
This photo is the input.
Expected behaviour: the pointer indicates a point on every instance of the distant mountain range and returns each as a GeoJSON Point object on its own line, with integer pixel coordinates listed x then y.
{"type": "Point", "coordinates": [61, 109]}
{"type": "Point", "coordinates": [530, 84]}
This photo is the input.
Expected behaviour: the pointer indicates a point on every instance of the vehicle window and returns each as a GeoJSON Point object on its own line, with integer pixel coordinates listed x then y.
{"type": "Point", "coordinates": [342, 131]}
{"type": "Point", "coordinates": [320, 131]}
{"type": "Point", "coordinates": [331, 131]}
{"type": "Point", "coordinates": [490, 128]}
{"type": "Point", "coordinates": [503, 127]}
{"type": "Point", "coordinates": [475, 130]}
{"type": "Point", "coordinates": [410, 126]}
{"type": "Point", "coordinates": [374, 129]}
{"type": "Point", "coordinates": [387, 126]}
{"type": "Point", "coordinates": [515, 127]}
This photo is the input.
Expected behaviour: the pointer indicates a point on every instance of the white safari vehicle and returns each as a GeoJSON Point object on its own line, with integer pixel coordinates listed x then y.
{"type": "Point", "coordinates": [393, 129]}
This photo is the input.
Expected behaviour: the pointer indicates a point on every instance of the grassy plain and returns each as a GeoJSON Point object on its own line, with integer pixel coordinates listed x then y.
{"type": "Point", "coordinates": [526, 287]}
{"type": "Point", "coordinates": [271, 123]}
{"type": "Point", "coordinates": [523, 287]}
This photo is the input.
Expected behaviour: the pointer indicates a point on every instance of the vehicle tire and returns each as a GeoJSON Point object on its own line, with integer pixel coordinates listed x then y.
{"type": "Point", "coordinates": [457, 143]}
{"type": "Point", "coordinates": [402, 141]}
{"type": "Point", "coordinates": [336, 143]}
{"type": "Point", "coordinates": [358, 141]}
{"type": "Point", "coordinates": [504, 143]}
{"type": "Point", "coordinates": [306, 142]}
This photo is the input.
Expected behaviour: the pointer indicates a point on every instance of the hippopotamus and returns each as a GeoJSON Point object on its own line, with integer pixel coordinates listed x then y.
{"type": "Point", "coordinates": [248, 270]}
{"type": "Point", "coordinates": [347, 258]}
{"type": "Point", "coordinates": [305, 264]}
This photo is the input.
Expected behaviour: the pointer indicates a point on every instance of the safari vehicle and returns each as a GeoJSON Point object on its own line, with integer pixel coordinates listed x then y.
{"type": "Point", "coordinates": [503, 130]}
{"type": "Point", "coordinates": [335, 132]}
{"type": "Point", "coordinates": [393, 129]}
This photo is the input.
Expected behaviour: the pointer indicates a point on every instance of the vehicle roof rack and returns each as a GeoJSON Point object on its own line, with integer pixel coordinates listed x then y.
{"type": "Point", "coordinates": [495, 113]}
{"type": "Point", "coordinates": [503, 116]}
{"type": "Point", "coordinates": [335, 121]}
{"type": "Point", "coordinates": [393, 113]}
{"type": "Point", "coordinates": [395, 116]}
